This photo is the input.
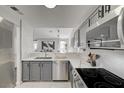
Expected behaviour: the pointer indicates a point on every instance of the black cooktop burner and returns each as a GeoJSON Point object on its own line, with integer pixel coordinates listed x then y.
{"type": "Point", "coordinates": [100, 78]}
{"type": "Point", "coordinates": [90, 73]}
{"type": "Point", "coordinates": [112, 80]}
{"type": "Point", "coordinates": [102, 85]}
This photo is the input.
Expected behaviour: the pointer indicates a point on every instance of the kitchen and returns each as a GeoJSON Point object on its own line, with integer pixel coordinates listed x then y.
{"type": "Point", "coordinates": [61, 47]}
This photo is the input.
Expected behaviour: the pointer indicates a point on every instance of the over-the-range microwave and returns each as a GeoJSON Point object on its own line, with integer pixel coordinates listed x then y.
{"type": "Point", "coordinates": [113, 36]}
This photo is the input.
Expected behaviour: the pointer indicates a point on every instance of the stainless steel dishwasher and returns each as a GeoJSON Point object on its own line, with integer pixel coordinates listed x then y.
{"type": "Point", "coordinates": [60, 70]}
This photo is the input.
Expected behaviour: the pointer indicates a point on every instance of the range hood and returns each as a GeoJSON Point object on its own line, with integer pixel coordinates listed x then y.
{"type": "Point", "coordinates": [120, 27]}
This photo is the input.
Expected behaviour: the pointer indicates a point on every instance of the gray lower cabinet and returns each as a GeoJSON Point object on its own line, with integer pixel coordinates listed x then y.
{"type": "Point", "coordinates": [35, 71]}
{"type": "Point", "coordinates": [46, 71]}
{"type": "Point", "coordinates": [25, 71]}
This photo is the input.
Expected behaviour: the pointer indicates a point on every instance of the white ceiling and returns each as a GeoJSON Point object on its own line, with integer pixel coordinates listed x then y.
{"type": "Point", "coordinates": [65, 17]}
{"type": "Point", "coordinates": [62, 16]}
{"type": "Point", "coordinates": [64, 33]}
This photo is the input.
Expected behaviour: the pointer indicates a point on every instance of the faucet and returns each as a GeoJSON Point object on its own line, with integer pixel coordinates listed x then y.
{"type": "Point", "coordinates": [45, 53]}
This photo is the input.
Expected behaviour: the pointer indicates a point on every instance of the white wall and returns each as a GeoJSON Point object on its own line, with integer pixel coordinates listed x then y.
{"type": "Point", "coordinates": [27, 39]}
{"type": "Point", "coordinates": [111, 60]}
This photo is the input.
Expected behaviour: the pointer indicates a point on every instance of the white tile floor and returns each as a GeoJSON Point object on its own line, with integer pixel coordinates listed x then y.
{"type": "Point", "coordinates": [45, 85]}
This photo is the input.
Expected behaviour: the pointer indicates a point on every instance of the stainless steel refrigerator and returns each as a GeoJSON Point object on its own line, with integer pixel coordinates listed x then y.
{"type": "Point", "coordinates": [7, 58]}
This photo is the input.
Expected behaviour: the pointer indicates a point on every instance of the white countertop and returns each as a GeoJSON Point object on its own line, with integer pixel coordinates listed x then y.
{"type": "Point", "coordinates": [33, 59]}
{"type": "Point", "coordinates": [75, 62]}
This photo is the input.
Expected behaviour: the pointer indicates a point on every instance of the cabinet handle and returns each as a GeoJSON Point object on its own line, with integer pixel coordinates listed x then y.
{"type": "Point", "coordinates": [99, 13]}
{"type": "Point", "coordinates": [67, 66]}
{"type": "Point", "coordinates": [102, 11]}
{"type": "Point", "coordinates": [89, 22]}
{"type": "Point", "coordinates": [107, 8]}
{"type": "Point", "coordinates": [42, 64]}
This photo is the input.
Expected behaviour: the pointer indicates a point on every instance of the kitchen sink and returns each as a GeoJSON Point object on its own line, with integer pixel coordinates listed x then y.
{"type": "Point", "coordinates": [43, 58]}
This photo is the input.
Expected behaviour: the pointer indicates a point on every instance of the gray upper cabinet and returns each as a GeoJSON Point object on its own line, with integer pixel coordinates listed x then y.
{"type": "Point", "coordinates": [104, 36]}
{"type": "Point", "coordinates": [35, 71]}
{"type": "Point", "coordinates": [94, 18]}
{"type": "Point", "coordinates": [46, 71]}
{"type": "Point", "coordinates": [101, 12]}
{"type": "Point", "coordinates": [25, 71]}
{"type": "Point", "coordinates": [83, 37]}
{"type": "Point", "coordinates": [72, 42]}
{"type": "Point", "coordinates": [76, 39]}
{"type": "Point", "coordinates": [98, 30]}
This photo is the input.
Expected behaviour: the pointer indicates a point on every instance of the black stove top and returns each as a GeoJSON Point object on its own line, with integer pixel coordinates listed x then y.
{"type": "Point", "coordinates": [100, 78]}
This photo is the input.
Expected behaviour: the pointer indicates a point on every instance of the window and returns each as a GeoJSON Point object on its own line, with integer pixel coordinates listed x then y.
{"type": "Point", "coordinates": [35, 45]}
{"type": "Point", "coordinates": [63, 46]}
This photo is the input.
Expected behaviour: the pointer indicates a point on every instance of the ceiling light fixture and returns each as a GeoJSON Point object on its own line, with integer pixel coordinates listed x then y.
{"type": "Point", "coordinates": [50, 6]}
{"type": "Point", "coordinates": [16, 9]}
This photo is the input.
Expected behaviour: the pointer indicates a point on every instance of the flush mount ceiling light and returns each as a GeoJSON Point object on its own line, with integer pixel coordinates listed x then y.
{"type": "Point", "coordinates": [50, 6]}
